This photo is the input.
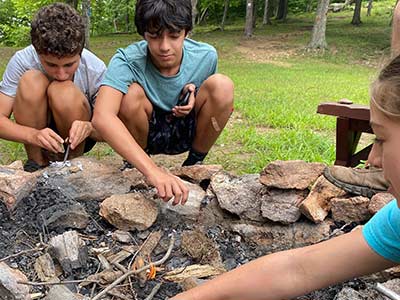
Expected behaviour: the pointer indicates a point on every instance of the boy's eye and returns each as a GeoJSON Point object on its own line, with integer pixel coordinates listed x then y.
{"type": "Point", "coordinates": [378, 141]}
{"type": "Point", "coordinates": [69, 65]}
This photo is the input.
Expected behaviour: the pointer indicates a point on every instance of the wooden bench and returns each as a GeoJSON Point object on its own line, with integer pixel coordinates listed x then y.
{"type": "Point", "coordinates": [351, 121]}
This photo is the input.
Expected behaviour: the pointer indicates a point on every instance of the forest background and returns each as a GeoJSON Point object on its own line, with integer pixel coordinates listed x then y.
{"type": "Point", "coordinates": [284, 56]}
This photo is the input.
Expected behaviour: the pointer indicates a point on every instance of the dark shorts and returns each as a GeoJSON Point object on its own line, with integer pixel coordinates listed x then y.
{"type": "Point", "coordinates": [89, 142]}
{"type": "Point", "coordinates": [169, 134]}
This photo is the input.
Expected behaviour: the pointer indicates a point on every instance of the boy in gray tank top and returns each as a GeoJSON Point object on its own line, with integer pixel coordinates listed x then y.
{"type": "Point", "coordinates": [50, 87]}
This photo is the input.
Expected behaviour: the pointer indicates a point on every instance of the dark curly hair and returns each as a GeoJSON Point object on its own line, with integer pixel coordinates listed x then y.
{"type": "Point", "coordinates": [155, 16]}
{"type": "Point", "coordinates": [58, 29]}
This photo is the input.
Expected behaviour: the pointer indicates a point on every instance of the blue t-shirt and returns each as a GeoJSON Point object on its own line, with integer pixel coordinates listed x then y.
{"type": "Point", "coordinates": [382, 232]}
{"type": "Point", "coordinates": [133, 64]}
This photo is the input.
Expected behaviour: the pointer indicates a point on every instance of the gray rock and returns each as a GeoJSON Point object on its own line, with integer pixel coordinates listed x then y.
{"type": "Point", "coordinates": [349, 294]}
{"type": "Point", "coordinates": [239, 195]}
{"type": "Point", "coordinates": [201, 248]}
{"type": "Point", "coordinates": [317, 204]}
{"type": "Point", "coordinates": [294, 174]}
{"type": "Point", "coordinates": [65, 215]}
{"type": "Point", "coordinates": [191, 209]}
{"type": "Point", "coordinates": [15, 184]}
{"type": "Point", "coordinates": [282, 205]}
{"type": "Point", "coordinates": [129, 211]}
{"type": "Point", "coordinates": [196, 173]}
{"type": "Point", "coordinates": [90, 179]}
{"type": "Point", "coordinates": [378, 201]}
{"type": "Point", "coordinates": [44, 267]}
{"type": "Point", "coordinates": [60, 292]}
{"type": "Point", "coordinates": [9, 288]}
{"type": "Point", "coordinates": [348, 210]}
{"type": "Point", "coordinates": [275, 237]}
{"type": "Point", "coordinates": [122, 236]}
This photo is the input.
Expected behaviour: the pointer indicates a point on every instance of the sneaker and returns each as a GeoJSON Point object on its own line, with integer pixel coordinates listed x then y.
{"type": "Point", "coordinates": [364, 182]}
{"type": "Point", "coordinates": [32, 166]}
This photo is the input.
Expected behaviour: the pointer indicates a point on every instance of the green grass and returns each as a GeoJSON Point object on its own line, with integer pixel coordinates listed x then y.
{"type": "Point", "coordinates": [278, 85]}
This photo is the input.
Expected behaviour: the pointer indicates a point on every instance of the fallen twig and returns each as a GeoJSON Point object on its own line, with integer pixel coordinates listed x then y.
{"type": "Point", "coordinates": [23, 252]}
{"type": "Point", "coordinates": [387, 292]}
{"type": "Point", "coordinates": [153, 291]}
{"type": "Point", "coordinates": [56, 283]}
{"type": "Point", "coordinates": [133, 272]}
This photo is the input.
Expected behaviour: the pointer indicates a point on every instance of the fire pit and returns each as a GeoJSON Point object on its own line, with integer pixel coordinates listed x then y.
{"type": "Point", "coordinates": [91, 231]}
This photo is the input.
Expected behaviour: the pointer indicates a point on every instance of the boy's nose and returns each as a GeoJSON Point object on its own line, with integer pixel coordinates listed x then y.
{"type": "Point", "coordinates": [61, 75]}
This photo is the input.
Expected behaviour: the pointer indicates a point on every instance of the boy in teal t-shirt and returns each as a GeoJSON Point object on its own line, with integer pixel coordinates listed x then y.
{"type": "Point", "coordinates": [162, 95]}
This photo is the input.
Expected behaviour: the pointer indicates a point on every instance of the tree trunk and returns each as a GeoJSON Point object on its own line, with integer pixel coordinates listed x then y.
{"type": "Point", "coordinates": [194, 11]}
{"type": "Point", "coordinates": [318, 40]}
{"type": "Point", "coordinates": [248, 30]}
{"type": "Point", "coordinates": [309, 6]}
{"type": "Point", "coordinates": [266, 20]}
{"type": "Point", "coordinates": [282, 10]}
{"type": "Point", "coordinates": [202, 15]}
{"type": "Point", "coordinates": [127, 17]}
{"type": "Point", "coordinates": [357, 13]}
{"type": "Point", "coordinates": [86, 18]}
{"type": "Point", "coordinates": [254, 14]}
{"type": "Point", "coordinates": [226, 6]}
{"type": "Point", "coordinates": [369, 8]}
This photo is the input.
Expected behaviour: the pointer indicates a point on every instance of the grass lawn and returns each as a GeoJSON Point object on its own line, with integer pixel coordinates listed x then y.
{"type": "Point", "coordinates": [278, 85]}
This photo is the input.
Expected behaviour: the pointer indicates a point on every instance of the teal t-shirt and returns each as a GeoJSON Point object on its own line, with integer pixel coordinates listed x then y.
{"type": "Point", "coordinates": [382, 232]}
{"type": "Point", "coordinates": [133, 64]}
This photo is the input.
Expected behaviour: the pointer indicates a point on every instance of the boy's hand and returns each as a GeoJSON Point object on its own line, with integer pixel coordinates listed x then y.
{"type": "Point", "coordinates": [169, 186]}
{"type": "Point", "coordinates": [47, 138]}
{"type": "Point", "coordinates": [184, 110]}
{"type": "Point", "coordinates": [79, 131]}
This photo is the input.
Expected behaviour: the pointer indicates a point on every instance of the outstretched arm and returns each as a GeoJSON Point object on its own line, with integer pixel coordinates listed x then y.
{"type": "Point", "coordinates": [115, 133]}
{"type": "Point", "coordinates": [9, 130]}
{"type": "Point", "coordinates": [288, 274]}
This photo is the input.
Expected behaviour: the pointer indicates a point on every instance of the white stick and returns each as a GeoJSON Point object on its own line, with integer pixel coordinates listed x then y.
{"type": "Point", "coordinates": [387, 292]}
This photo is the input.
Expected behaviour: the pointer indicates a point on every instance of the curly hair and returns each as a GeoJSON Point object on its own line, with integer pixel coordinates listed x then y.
{"type": "Point", "coordinates": [58, 29]}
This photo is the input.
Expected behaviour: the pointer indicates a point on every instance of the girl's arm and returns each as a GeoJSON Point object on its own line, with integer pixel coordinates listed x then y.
{"type": "Point", "coordinates": [288, 274]}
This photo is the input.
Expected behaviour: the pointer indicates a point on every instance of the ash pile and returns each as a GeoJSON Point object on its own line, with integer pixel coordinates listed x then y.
{"type": "Point", "coordinates": [91, 231]}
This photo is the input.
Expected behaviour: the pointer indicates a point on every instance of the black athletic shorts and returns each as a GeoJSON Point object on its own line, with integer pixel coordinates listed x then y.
{"type": "Point", "coordinates": [169, 134]}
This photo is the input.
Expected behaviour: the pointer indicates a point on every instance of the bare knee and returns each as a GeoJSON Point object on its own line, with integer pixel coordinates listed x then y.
{"type": "Point", "coordinates": [219, 89]}
{"type": "Point", "coordinates": [135, 102]}
{"type": "Point", "coordinates": [32, 88]}
{"type": "Point", "coordinates": [65, 97]}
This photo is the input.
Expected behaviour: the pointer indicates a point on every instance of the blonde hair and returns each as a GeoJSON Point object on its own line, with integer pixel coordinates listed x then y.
{"type": "Point", "coordinates": [385, 90]}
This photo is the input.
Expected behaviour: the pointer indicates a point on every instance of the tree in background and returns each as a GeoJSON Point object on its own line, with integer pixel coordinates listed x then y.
{"type": "Point", "coordinates": [226, 6]}
{"type": "Point", "coordinates": [318, 40]}
{"type": "Point", "coordinates": [248, 28]}
{"type": "Point", "coordinates": [369, 8]}
{"type": "Point", "coordinates": [194, 11]}
{"type": "Point", "coordinates": [266, 19]}
{"type": "Point", "coordinates": [357, 13]}
{"type": "Point", "coordinates": [282, 10]}
{"type": "Point", "coordinates": [86, 18]}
